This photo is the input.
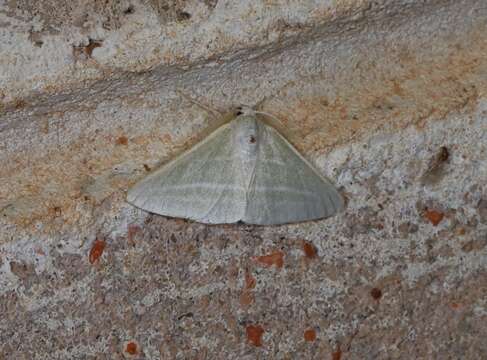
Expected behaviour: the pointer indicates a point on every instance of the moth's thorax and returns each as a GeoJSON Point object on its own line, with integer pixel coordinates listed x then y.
{"type": "Point", "coordinates": [246, 136]}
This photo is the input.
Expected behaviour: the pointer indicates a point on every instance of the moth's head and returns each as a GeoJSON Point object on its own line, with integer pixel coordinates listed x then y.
{"type": "Point", "coordinates": [244, 110]}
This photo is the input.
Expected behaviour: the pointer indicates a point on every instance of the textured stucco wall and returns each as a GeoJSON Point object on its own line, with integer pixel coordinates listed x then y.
{"type": "Point", "coordinates": [375, 93]}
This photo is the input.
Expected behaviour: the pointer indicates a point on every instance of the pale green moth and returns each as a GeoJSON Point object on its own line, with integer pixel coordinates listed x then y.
{"type": "Point", "coordinates": [245, 171]}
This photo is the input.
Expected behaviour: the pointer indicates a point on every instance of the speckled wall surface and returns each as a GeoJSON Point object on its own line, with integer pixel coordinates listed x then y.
{"type": "Point", "coordinates": [387, 98]}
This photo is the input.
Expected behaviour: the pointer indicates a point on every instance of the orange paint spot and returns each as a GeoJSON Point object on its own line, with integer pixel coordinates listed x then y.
{"type": "Point", "coordinates": [276, 258]}
{"type": "Point", "coordinates": [249, 280]}
{"type": "Point", "coordinates": [309, 250]}
{"type": "Point", "coordinates": [337, 355]}
{"type": "Point", "coordinates": [166, 138]}
{"type": "Point", "coordinates": [122, 140]}
{"type": "Point", "coordinates": [39, 251]}
{"type": "Point", "coordinates": [131, 231]}
{"type": "Point", "coordinates": [455, 306]}
{"type": "Point", "coordinates": [434, 216]}
{"type": "Point", "coordinates": [310, 335]}
{"type": "Point", "coordinates": [376, 293]}
{"type": "Point", "coordinates": [96, 250]}
{"type": "Point", "coordinates": [246, 298]}
{"type": "Point", "coordinates": [131, 348]}
{"type": "Point", "coordinates": [461, 231]}
{"type": "Point", "coordinates": [254, 334]}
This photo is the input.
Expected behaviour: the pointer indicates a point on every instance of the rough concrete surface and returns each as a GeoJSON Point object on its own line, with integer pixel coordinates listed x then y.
{"type": "Point", "coordinates": [387, 98]}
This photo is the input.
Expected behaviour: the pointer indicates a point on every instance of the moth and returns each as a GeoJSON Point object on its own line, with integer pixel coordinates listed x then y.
{"type": "Point", "coordinates": [245, 171]}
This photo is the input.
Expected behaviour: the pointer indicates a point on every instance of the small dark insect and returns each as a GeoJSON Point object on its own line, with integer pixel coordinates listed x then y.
{"type": "Point", "coordinates": [443, 155]}
{"type": "Point", "coordinates": [129, 10]}
{"type": "Point", "coordinates": [436, 167]}
{"type": "Point", "coordinates": [92, 45]}
{"type": "Point", "coordinates": [147, 167]}
{"type": "Point", "coordinates": [36, 38]}
{"type": "Point", "coordinates": [190, 314]}
{"type": "Point", "coordinates": [55, 211]}
{"type": "Point", "coordinates": [86, 50]}
{"type": "Point", "coordinates": [183, 15]}
{"type": "Point", "coordinates": [252, 139]}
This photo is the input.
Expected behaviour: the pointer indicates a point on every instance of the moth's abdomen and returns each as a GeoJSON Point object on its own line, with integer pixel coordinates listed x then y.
{"type": "Point", "coordinates": [246, 137]}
